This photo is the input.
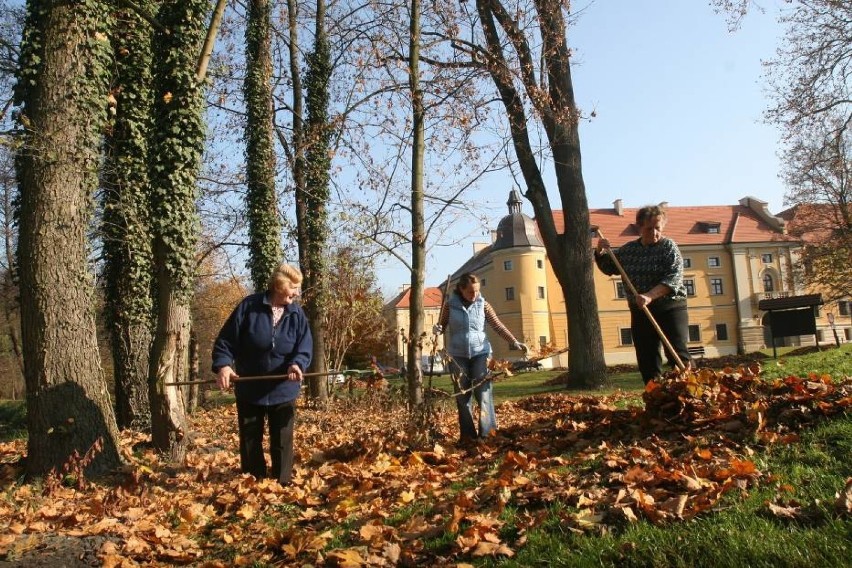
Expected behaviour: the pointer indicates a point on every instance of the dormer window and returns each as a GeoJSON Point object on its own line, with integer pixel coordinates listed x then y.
{"type": "Point", "coordinates": [711, 227]}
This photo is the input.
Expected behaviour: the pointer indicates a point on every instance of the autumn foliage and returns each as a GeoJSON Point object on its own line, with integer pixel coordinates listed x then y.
{"type": "Point", "coordinates": [366, 494]}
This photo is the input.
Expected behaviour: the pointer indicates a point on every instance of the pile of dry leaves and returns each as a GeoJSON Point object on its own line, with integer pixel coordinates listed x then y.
{"type": "Point", "coordinates": [367, 492]}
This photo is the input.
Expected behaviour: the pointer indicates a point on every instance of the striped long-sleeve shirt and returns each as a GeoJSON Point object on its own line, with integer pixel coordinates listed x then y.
{"type": "Point", "coordinates": [490, 317]}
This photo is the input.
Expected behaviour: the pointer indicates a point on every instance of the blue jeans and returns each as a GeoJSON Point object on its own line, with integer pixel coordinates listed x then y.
{"type": "Point", "coordinates": [469, 372]}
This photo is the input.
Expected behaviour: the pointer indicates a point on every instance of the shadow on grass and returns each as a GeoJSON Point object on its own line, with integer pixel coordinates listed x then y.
{"type": "Point", "coordinates": [13, 420]}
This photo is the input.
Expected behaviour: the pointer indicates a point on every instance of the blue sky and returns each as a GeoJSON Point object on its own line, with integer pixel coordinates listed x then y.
{"type": "Point", "coordinates": [679, 104]}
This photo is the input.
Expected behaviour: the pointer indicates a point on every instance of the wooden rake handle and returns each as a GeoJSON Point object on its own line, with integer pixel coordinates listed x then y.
{"type": "Point", "coordinates": [675, 357]}
{"type": "Point", "coordinates": [257, 378]}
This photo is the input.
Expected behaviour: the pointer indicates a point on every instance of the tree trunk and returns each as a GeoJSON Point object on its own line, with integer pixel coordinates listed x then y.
{"type": "Point", "coordinates": [418, 229]}
{"type": "Point", "coordinates": [126, 233]}
{"type": "Point", "coordinates": [193, 391]}
{"type": "Point", "coordinates": [131, 347]}
{"type": "Point", "coordinates": [178, 142]}
{"type": "Point", "coordinates": [62, 89]}
{"type": "Point", "coordinates": [170, 363]}
{"type": "Point", "coordinates": [570, 253]}
{"type": "Point", "coordinates": [264, 226]}
{"type": "Point", "coordinates": [317, 166]}
{"type": "Point", "coordinates": [9, 288]}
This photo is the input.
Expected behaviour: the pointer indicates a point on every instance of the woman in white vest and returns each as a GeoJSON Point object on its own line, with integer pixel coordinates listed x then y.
{"type": "Point", "coordinates": [464, 317]}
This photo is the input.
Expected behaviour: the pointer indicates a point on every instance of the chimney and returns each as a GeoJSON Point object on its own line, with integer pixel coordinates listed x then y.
{"type": "Point", "coordinates": [619, 208]}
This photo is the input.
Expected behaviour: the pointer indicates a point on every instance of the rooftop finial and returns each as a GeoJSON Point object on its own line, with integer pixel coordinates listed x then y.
{"type": "Point", "coordinates": [514, 202]}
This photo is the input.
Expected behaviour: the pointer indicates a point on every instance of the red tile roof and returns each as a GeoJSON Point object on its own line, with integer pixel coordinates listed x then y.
{"type": "Point", "coordinates": [688, 225]}
{"type": "Point", "coordinates": [431, 298]}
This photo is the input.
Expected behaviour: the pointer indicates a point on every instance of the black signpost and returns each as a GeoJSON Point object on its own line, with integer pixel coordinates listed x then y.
{"type": "Point", "coordinates": [793, 315]}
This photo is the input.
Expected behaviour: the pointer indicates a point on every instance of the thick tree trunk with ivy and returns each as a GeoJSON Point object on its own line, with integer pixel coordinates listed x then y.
{"type": "Point", "coordinates": [314, 195]}
{"type": "Point", "coordinates": [299, 169]}
{"type": "Point", "coordinates": [176, 148]}
{"type": "Point", "coordinates": [553, 101]}
{"type": "Point", "coordinates": [62, 93]}
{"type": "Point", "coordinates": [262, 204]}
{"type": "Point", "coordinates": [418, 227]}
{"type": "Point", "coordinates": [128, 268]}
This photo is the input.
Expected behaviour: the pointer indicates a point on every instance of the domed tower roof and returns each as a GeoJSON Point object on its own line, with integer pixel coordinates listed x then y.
{"type": "Point", "coordinates": [516, 229]}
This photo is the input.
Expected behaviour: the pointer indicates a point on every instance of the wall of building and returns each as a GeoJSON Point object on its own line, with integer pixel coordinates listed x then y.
{"type": "Point", "coordinates": [723, 321]}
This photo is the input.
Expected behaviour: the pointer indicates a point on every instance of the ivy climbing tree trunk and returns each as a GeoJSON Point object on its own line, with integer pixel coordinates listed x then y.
{"type": "Point", "coordinates": [264, 224]}
{"type": "Point", "coordinates": [176, 147]}
{"type": "Point", "coordinates": [62, 92]}
{"type": "Point", "coordinates": [314, 215]}
{"type": "Point", "coordinates": [128, 268]}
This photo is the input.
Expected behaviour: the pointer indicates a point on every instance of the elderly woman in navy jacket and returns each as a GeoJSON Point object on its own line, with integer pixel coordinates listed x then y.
{"type": "Point", "coordinates": [464, 316]}
{"type": "Point", "coordinates": [267, 334]}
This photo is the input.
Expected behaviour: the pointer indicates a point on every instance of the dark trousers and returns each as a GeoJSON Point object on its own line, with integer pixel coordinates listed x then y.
{"type": "Point", "coordinates": [282, 423]}
{"type": "Point", "coordinates": [672, 318]}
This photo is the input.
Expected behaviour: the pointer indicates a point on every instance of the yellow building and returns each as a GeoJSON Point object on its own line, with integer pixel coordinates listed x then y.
{"type": "Point", "coordinates": [735, 257]}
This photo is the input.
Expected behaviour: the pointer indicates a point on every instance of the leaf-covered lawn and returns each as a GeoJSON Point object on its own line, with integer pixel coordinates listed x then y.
{"type": "Point", "coordinates": [372, 490]}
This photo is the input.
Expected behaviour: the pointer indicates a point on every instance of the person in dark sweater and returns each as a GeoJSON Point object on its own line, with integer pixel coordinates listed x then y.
{"type": "Point", "coordinates": [266, 334]}
{"type": "Point", "coordinates": [654, 265]}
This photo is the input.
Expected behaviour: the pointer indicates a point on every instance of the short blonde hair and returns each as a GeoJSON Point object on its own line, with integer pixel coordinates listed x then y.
{"type": "Point", "coordinates": [284, 274]}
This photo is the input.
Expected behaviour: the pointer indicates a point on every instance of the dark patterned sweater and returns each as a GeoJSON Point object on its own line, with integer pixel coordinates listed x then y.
{"type": "Point", "coordinates": [647, 266]}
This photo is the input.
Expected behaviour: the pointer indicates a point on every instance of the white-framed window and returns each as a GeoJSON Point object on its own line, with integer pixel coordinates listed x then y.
{"type": "Point", "coordinates": [541, 292]}
{"type": "Point", "coordinates": [694, 332]}
{"type": "Point", "coordinates": [768, 283]}
{"type": "Point", "coordinates": [539, 264]}
{"type": "Point", "coordinates": [689, 284]}
{"type": "Point", "coordinates": [714, 261]}
{"type": "Point", "coordinates": [716, 288]}
{"type": "Point", "coordinates": [507, 265]}
{"type": "Point", "coordinates": [820, 335]}
{"type": "Point", "coordinates": [687, 262]}
{"type": "Point", "coordinates": [542, 340]}
{"type": "Point", "coordinates": [619, 290]}
{"type": "Point", "coordinates": [510, 293]}
{"type": "Point", "coordinates": [721, 332]}
{"type": "Point", "coordinates": [844, 307]}
{"type": "Point", "coordinates": [625, 336]}
{"type": "Point", "coordinates": [766, 258]}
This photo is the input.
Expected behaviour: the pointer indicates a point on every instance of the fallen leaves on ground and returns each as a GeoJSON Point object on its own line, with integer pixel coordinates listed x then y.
{"type": "Point", "coordinates": [365, 494]}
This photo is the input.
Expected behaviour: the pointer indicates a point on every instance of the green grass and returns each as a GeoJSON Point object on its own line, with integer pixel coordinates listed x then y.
{"type": "Point", "coordinates": [835, 361]}
{"type": "Point", "coordinates": [742, 532]}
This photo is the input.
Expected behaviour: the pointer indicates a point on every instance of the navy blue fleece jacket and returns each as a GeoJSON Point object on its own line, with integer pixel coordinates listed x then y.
{"type": "Point", "coordinates": [249, 344]}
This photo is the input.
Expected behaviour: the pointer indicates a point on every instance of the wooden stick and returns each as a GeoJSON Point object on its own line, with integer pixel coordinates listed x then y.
{"type": "Point", "coordinates": [258, 378]}
{"type": "Point", "coordinates": [645, 309]}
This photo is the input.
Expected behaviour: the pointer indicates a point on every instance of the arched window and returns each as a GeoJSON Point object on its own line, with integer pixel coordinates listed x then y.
{"type": "Point", "coordinates": [768, 284]}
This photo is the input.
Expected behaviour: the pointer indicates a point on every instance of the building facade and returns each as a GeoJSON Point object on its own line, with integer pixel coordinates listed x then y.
{"type": "Point", "coordinates": [735, 257]}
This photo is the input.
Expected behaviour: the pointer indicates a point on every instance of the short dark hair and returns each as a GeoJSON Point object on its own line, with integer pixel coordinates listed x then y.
{"type": "Point", "coordinates": [649, 212]}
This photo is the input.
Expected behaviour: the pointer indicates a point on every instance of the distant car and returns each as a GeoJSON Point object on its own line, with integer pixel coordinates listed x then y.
{"type": "Point", "coordinates": [427, 366]}
{"type": "Point", "coordinates": [336, 379]}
